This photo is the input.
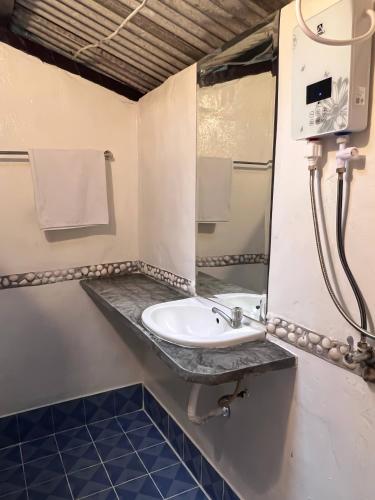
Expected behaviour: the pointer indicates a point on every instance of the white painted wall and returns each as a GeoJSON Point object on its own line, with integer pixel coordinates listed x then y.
{"type": "Point", "coordinates": [304, 434]}
{"type": "Point", "coordinates": [167, 158]}
{"type": "Point", "coordinates": [45, 107]}
{"type": "Point", "coordinates": [54, 343]}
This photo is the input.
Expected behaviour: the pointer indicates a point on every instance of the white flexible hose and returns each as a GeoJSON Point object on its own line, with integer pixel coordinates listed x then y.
{"type": "Point", "coordinates": [112, 35]}
{"type": "Point", "coordinates": [328, 41]}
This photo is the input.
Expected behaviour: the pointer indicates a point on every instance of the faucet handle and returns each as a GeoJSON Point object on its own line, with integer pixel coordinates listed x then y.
{"type": "Point", "coordinates": [237, 316]}
{"type": "Point", "coordinates": [237, 312]}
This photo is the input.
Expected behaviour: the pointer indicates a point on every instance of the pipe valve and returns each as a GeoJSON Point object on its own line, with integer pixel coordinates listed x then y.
{"type": "Point", "coordinates": [345, 155]}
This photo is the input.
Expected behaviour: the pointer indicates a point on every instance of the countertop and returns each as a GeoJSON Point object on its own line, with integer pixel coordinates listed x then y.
{"type": "Point", "coordinates": [208, 286]}
{"type": "Point", "coordinates": [125, 298]}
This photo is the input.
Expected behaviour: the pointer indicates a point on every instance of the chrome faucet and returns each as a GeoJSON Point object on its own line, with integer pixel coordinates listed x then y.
{"type": "Point", "coordinates": [234, 320]}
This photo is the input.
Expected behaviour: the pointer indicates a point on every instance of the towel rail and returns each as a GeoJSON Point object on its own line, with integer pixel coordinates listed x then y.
{"type": "Point", "coordinates": [108, 155]}
{"type": "Point", "coordinates": [252, 165]}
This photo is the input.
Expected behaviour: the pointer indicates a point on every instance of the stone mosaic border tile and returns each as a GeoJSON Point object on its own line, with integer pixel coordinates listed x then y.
{"type": "Point", "coordinates": [68, 274]}
{"type": "Point", "coordinates": [95, 271]}
{"type": "Point", "coordinates": [327, 348]}
{"type": "Point", "coordinates": [232, 260]}
{"type": "Point", "coordinates": [166, 277]}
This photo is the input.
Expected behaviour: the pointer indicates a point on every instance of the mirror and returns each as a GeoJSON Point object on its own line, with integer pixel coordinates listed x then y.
{"type": "Point", "coordinates": [235, 141]}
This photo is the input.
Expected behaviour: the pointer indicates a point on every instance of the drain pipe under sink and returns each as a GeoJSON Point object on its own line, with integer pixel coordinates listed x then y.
{"type": "Point", "coordinates": [223, 409]}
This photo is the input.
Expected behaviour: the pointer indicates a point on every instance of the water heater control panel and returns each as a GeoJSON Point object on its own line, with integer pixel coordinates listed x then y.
{"type": "Point", "coordinates": [331, 84]}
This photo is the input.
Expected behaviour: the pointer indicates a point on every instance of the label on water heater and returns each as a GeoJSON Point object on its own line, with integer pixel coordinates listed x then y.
{"type": "Point", "coordinates": [360, 96]}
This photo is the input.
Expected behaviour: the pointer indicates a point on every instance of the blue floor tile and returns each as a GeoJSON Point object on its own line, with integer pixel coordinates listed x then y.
{"type": "Point", "coordinates": [100, 406]}
{"type": "Point", "coordinates": [156, 411]}
{"type": "Point", "coordinates": [103, 495]}
{"type": "Point", "coordinates": [9, 431]}
{"type": "Point", "coordinates": [176, 437]}
{"type": "Point", "coordinates": [128, 399]}
{"type": "Point", "coordinates": [145, 437]}
{"type": "Point", "coordinates": [73, 438]}
{"type": "Point", "coordinates": [12, 480]}
{"type": "Point", "coordinates": [193, 458]}
{"type": "Point", "coordinates": [158, 457]}
{"type": "Point", "coordinates": [196, 494]}
{"type": "Point", "coordinates": [173, 480]}
{"type": "Point", "coordinates": [138, 489]}
{"type": "Point", "coordinates": [229, 494]}
{"type": "Point", "coordinates": [114, 447]}
{"type": "Point", "coordinates": [105, 429]}
{"type": "Point", "coordinates": [125, 468]}
{"type": "Point", "coordinates": [10, 457]}
{"type": "Point", "coordinates": [133, 421]}
{"type": "Point", "coordinates": [211, 481]}
{"type": "Point", "coordinates": [43, 469]}
{"type": "Point", "coordinates": [19, 495]}
{"type": "Point", "coordinates": [88, 481]}
{"type": "Point", "coordinates": [35, 424]}
{"type": "Point", "coordinates": [57, 489]}
{"type": "Point", "coordinates": [68, 415]}
{"type": "Point", "coordinates": [55, 466]}
{"type": "Point", "coordinates": [80, 458]}
{"type": "Point", "coordinates": [39, 448]}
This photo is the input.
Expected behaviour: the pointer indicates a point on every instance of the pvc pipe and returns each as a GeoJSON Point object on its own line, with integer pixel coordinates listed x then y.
{"type": "Point", "coordinates": [192, 407]}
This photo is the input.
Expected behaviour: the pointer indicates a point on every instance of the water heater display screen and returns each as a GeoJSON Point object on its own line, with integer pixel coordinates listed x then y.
{"type": "Point", "coordinates": [319, 91]}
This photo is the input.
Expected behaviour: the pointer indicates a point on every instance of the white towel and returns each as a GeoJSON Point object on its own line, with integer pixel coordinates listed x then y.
{"type": "Point", "coordinates": [70, 188]}
{"type": "Point", "coordinates": [214, 178]}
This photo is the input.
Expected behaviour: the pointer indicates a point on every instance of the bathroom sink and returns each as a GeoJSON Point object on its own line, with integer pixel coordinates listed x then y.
{"type": "Point", "coordinates": [253, 304]}
{"type": "Point", "coordinates": [191, 323]}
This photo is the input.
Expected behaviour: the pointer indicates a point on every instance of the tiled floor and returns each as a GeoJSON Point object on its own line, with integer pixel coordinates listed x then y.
{"type": "Point", "coordinates": [124, 458]}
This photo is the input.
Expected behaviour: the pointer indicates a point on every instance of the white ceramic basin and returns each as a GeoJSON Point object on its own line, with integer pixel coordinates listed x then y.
{"type": "Point", "coordinates": [253, 304]}
{"type": "Point", "coordinates": [191, 322]}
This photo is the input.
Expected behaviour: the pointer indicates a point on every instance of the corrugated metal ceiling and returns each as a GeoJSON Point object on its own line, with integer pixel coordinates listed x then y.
{"type": "Point", "coordinates": [165, 37]}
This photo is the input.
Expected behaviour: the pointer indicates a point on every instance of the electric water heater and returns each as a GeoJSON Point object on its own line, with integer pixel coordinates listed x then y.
{"type": "Point", "coordinates": [331, 84]}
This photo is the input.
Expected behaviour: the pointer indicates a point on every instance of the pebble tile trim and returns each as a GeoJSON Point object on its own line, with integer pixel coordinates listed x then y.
{"type": "Point", "coordinates": [232, 260]}
{"type": "Point", "coordinates": [167, 277]}
{"type": "Point", "coordinates": [324, 347]}
{"type": "Point", "coordinates": [94, 271]}
{"type": "Point", "coordinates": [73, 273]}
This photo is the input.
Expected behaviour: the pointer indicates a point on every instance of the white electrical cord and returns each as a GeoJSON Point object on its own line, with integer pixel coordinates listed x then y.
{"type": "Point", "coordinates": [328, 41]}
{"type": "Point", "coordinates": [112, 35]}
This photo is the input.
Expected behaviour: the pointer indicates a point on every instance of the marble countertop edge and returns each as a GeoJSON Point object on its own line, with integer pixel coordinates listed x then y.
{"type": "Point", "coordinates": [124, 298]}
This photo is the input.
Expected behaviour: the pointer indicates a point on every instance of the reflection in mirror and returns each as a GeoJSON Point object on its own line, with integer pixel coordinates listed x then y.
{"type": "Point", "coordinates": [236, 114]}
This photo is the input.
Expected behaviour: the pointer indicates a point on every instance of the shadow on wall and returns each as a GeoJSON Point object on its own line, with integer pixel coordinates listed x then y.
{"type": "Point", "coordinates": [250, 447]}
{"type": "Point", "coordinates": [125, 331]}
{"type": "Point", "coordinates": [71, 234]}
{"type": "Point", "coordinates": [56, 345]}
{"type": "Point", "coordinates": [33, 341]}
